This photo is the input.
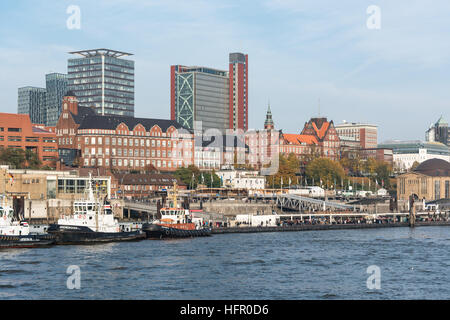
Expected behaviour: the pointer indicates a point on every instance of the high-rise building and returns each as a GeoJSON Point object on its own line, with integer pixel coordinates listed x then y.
{"type": "Point", "coordinates": [365, 134]}
{"type": "Point", "coordinates": [238, 75]}
{"type": "Point", "coordinates": [32, 101]}
{"type": "Point", "coordinates": [103, 79]}
{"type": "Point", "coordinates": [199, 94]}
{"type": "Point", "coordinates": [217, 98]}
{"type": "Point", "coordinates": [56, 88]}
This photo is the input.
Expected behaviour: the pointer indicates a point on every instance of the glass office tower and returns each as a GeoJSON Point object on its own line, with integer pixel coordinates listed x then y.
{"type": "Point", "coordinates": [101, 78]}
{"type": "Point", "coordinates": [32, 101]}
{"type": "Point", "coordinates": [56, 85]}
{"type": "Point", "coordinates": [200, 94]}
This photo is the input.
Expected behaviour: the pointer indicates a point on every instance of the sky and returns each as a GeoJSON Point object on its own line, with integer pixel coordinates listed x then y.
{"type": "Point", "coordinates": [300, 53]}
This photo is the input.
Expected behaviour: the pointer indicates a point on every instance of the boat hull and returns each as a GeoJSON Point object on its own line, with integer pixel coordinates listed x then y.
{"type": "Point", "coordinates": [84, 235]}
{"type": "Point", "coordinates": [26, 241]}
{"type": "Point", "coordinates": [154, 231]}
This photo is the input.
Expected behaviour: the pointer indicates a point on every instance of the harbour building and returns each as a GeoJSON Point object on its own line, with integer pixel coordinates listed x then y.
{"type": "Point", "coordinates": [87, 139]}
{"type": "Point", "coordinates": [32, 101]}
{"type": "Point", "coordinates": [429, 181]}
{"type": "Point", "coordinates": [102, 78]}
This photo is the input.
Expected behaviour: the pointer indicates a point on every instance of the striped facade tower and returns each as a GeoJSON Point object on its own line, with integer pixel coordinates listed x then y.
{"type": "Point", "coordinates": [238, 79]}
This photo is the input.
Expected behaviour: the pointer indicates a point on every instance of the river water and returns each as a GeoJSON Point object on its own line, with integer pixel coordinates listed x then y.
{"type": "Point", "coordinates": [413, 264]}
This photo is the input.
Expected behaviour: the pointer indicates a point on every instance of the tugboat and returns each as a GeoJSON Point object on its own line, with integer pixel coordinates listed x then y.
{"type": "Point", "coordinates": [175, 222]}
{"type": "Point", "coordinates": [92, 222]}
{"type": "Point", "coordinates": [15, 233]}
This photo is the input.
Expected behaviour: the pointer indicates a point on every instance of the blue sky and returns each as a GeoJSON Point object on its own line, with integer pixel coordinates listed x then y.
{"type": "Point", "coordinates": [396, 77]}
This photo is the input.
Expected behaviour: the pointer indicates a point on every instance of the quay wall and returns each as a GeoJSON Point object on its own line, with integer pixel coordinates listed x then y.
{"type": "Point", "coordinates": [325, 227]}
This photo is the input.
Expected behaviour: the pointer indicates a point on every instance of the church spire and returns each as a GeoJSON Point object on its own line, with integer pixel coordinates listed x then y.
{"type": "Point", "coordinates": [268, 124]}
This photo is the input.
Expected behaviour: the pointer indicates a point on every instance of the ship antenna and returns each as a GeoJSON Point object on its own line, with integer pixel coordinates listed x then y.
{"type": "Point", "coordinates": [174, 195]}
{"type": "Point", "coordinates": [90, 192]}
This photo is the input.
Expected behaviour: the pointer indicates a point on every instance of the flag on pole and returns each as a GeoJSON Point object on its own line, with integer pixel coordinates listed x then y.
{"type": "Point", "coordinates": [289, 182]}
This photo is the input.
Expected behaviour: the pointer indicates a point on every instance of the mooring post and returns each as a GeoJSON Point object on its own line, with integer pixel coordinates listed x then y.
{"type": "Point", "coordinates": [412, 212]}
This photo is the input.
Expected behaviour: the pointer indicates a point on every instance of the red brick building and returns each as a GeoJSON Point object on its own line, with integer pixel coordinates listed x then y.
{"type": "Point", "coordinates": [120, 142]}
{"type": "Point", "coordinates": [17, 131]}
{"type": "Point", "coordinates": [326, 135]}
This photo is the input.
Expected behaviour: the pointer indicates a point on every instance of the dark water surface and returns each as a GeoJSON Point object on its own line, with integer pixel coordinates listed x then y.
{"type": "Point", "coordinates": [289, 265]}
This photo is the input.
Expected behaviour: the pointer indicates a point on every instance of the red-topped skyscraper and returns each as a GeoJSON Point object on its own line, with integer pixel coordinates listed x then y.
{"type": "Point", "coordinates": [238, 79]}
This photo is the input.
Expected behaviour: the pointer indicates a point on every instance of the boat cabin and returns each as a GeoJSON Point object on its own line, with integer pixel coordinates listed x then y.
{"type": "Point", "coordinates": [175, 215]}
{"type": "Point", "coordinates": [6, 215]}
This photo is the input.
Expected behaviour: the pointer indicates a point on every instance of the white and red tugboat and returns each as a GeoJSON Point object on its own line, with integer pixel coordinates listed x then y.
{"type": "Point", "coordinates": [175, 222]}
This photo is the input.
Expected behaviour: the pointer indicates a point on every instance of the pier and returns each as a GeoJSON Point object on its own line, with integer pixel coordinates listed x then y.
{"type": "Point", "coordinates": [299, 203]}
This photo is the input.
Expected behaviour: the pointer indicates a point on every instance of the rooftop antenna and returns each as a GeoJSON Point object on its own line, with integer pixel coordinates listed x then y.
{"type": "Point", "coordinates": [319, 107]}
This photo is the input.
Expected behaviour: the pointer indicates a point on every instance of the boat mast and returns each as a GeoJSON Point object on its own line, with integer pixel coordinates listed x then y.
{"type": "Point", "coordinates": [96, 204]}
{"type": "Point", "coordinates": [174, 195]}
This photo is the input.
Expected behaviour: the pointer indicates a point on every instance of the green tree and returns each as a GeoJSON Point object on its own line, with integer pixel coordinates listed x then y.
{"type": "Point", "coordinates": [414, 166]}
{"type": "Point", "coordinates": [325, 170]}
{"type": "Point", "coordinates": [288, 168]}
{"type": "Point", "coordinates": [383, 171]}
{"type": "Point", "coordinates": [19, 158]}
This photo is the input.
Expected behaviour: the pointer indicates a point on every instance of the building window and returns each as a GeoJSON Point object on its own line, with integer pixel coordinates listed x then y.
{"type": "Point", "coordinates": [437, 190]}
{"type": "Point", "coordinates": [447, 189]}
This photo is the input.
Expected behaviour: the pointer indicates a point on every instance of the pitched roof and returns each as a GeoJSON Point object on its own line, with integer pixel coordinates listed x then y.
{"type": "Point", "coordinates": [82, 113]}
{"type": "Point", "coordinates": [110, 122]}
{"type": "Point", "coordinates": [300, 138]}
{"type": "Point", "coordinates": [323, 128]}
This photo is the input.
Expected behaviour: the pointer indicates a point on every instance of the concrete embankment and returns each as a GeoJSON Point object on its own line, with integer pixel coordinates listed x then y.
{"type": "Point", "coordinates": [325, 227]}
